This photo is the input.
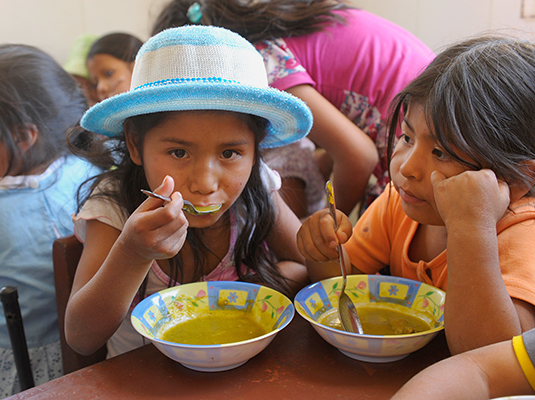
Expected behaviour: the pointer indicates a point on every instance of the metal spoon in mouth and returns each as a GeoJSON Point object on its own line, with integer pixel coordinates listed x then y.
{"type": "Point", "coordinates": [346, 309]}
{"type": "Point", "coordinates": [188, 207]}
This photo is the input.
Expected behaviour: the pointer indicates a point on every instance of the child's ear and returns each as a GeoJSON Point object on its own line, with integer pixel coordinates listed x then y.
{"type": "Point", "coordinates": [27, 137]}
{"type": "Point", "coordinates": [520, 190]}
{"type": "Point", "coordinates": [131, 143]}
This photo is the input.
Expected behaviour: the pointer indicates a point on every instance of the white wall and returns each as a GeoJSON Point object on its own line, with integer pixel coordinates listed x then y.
{"type": "Point", "coordinates": [440, 22]}
{"type": "Point", "coordinates": [54, 24]}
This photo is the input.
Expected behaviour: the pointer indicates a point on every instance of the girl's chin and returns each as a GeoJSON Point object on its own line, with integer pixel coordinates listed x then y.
{"type": "Point", "coordinates": [203, 221]}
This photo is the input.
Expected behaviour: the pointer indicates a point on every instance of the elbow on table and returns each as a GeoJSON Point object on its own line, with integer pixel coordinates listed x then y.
{"type": "Point", "coordinates": [82, 340]}
{"type": "Point", "coordinates": [82, 344]}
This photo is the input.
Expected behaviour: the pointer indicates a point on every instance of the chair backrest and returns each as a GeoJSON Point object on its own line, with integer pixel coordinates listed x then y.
{"type": "Point", "coordinates": [66, 253]}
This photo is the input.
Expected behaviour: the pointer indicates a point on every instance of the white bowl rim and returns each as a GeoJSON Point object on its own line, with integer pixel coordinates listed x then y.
{"type": "Point", "coordinates": [290, 306]}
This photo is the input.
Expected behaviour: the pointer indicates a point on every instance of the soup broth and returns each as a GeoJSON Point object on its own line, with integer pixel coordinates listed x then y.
{"type": "Point", "coordinates": [213, 327]}
{"type": "Point", "coordinates": [382, 319]}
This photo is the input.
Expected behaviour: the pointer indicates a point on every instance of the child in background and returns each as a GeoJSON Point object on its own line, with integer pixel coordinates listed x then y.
{"type": "Point", "coordinates": [345, 63]}
{"type": "Point", "coordinates": [76, 66]}
{"type": "Point", "coordinates": [110, 62]}
{"type": "Point", "coordinates": [462, 180]}
{"type": "Point", "coordinates": [497, 370]}
{"type": "Point", "coordinates": [190, 128]}
{"type": "Point", "coordinates": [39, 101]}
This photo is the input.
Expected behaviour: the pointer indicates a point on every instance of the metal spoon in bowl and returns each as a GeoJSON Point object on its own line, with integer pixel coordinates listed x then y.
{"type": "Point", "coordinates": [188, 207]}
{"type": "Point", "coordinates": [346, 309]}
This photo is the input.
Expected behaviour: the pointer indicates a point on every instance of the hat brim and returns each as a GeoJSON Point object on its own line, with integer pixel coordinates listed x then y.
{"type": "Point", "coordinates": [289, 118]}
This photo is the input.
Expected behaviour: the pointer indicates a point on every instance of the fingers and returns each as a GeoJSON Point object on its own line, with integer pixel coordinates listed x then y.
{"type": "Point", "coordinates": [504, 188]}
{"type": "Point", "coordinates": [345, 228]}
{"type": "Point", "coordinates": [172, 237]}
{"type": "Point", "coordinates": [154, 216]}
{"type": "Point", "coordinates": [310, 250]}
{"type": "Point", "coordinates": [158, 233]}
{"type": "Point", "coordinates": [164, 190]}
{"type": "Point", "coordinates": [436, 178]}
{"type": "Point", "coordinates": [470, 196]}
{"type": "Point", "coordinates": [167, 187]}
{"type": "Point", "coordinates": [317, 239]}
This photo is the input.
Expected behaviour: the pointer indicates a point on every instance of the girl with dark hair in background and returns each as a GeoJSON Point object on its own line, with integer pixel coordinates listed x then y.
{"type": "Point", "coordinates": [110, 62]}
{"type": "Point", "coordinates": [39, 102]}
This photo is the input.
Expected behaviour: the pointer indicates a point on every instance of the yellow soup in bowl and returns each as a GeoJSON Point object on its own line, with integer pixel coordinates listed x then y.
{"type": "Point", "coordinates": [209, 328]}
{"type": "Point", "coordinates": [382, 319]}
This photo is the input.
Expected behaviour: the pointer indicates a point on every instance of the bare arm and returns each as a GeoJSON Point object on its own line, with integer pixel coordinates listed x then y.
{"type": "Point", "coordinates": [353, 152]}
{"type": "Point", "coordinates": [293, 193]}
{"type": "Point", "coordinates": [282, 241]}
{"type": "Point", "coordinates": [479, 310]}
{"type": "Point", "coordinates": [488, 372]}
{"type": "Point", "coordinates": [113, 265]}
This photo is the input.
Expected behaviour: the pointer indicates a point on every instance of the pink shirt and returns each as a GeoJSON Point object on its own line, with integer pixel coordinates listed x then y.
{"type": "Point", "coordinates": [358, 66]}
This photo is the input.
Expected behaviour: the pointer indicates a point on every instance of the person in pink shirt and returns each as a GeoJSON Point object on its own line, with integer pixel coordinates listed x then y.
{"type": "Point", "coordinates": [345, 63]}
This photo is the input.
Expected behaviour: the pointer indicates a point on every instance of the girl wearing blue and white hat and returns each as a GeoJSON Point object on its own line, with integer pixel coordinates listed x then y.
{"type": "Point", "coordinates": [190, 128]}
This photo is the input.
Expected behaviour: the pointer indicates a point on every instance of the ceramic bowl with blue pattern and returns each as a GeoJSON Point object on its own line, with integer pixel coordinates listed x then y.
{"type": "Point", "coordinates": [269, 307]}
{"type": "Point", "coordinates": [416, 297]}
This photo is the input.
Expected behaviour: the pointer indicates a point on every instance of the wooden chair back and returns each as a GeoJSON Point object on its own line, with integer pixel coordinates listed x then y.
{"type": "Point", "coordinates": [66, 253]}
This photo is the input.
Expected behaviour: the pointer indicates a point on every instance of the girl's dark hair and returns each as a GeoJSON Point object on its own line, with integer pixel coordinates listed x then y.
{"type": "Point", "coordinates": [255, 20]}
{"type": "Point", "coordinates": [122, 46]}
{"type": "Point", "coordinates": [479, 99]}
{"type": "Point", "coordinates": [127, 179]}
{"type": "Point", "coordinates": [35, 90]}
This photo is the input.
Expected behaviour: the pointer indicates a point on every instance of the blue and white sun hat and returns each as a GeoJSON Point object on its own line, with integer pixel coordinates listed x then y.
{"type": "Point", "coordinates": [202, 68]}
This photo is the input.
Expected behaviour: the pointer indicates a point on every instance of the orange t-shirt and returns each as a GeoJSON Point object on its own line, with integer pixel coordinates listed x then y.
{"type": "Point", "coordinates": [383, 235]}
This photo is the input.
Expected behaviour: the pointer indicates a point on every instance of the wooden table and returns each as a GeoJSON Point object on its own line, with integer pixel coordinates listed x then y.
{"type": "Point", "coordinates": [297, 364]}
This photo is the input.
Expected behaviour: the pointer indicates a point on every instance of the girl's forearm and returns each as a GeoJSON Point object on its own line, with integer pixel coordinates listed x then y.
{"type": "Point", "coordinates": [478, 309]}
{"type": "Point", "coordinates": [96, 310]}
{"type": "Point", "coordinates": [318, 271]}
{"type": "Point", "coordinates": [295, 273]}
{"type": "Point", "coordinates": [488, 372]}
{"type": "Point", "coordinates": [451, 379]}
{"type": "Point", "coordinates": [354, 153]}
{"type": "Point", "coordinates": [354, 163]}
{"type": "Point", "coordinates": [349, 186]}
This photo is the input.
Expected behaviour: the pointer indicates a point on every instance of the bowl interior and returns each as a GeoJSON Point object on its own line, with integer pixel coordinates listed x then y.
{"type": "Point", "coordinates": [316, 299]}
{"type": "Point", "coordinates": [418, 298]}
{"type": "Point", "coordinates": [268, 307]}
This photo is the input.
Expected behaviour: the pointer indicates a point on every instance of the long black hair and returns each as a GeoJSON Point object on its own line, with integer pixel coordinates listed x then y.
{"type": "Point", "coordinates": [255, 20]}
{"type": "Point", "coordinates": [122, 46]}
{"type": "Point", "coordinates": [35, 90]}
{"type": "Point", "coordinates": [124, 179]}
{"type": "Point", "coordinates": [479, 99]}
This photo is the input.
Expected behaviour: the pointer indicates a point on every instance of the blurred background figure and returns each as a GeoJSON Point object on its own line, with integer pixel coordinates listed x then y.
{"type": "Point", "coordinates": [39, 181]}
{"type": "Point", "coordinates": [110, 62]}
{"type": "Point", "coordinates": [76, 66]}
